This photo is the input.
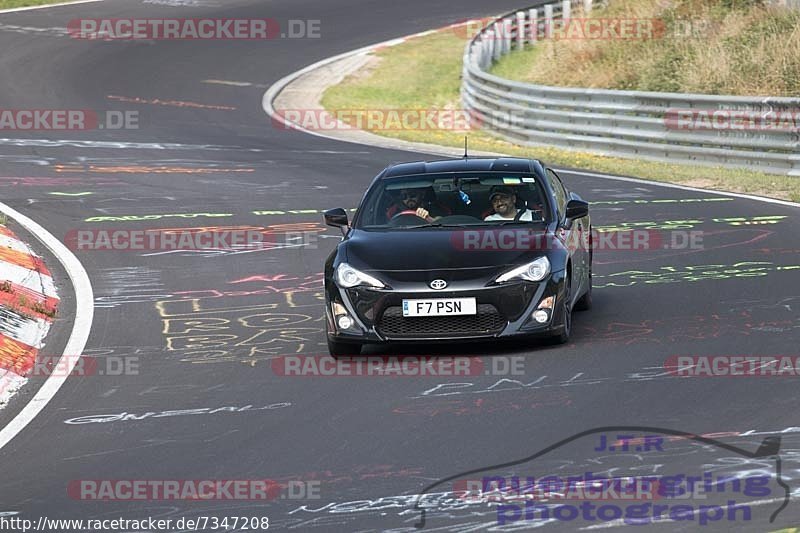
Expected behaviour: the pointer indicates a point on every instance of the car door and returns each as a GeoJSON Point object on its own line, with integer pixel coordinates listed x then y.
{"type": "Point", "coordinates": [573, 234]}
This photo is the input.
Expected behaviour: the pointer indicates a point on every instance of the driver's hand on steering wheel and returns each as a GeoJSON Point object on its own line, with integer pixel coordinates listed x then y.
{"type": "Point", "coordinates": [423, 213]}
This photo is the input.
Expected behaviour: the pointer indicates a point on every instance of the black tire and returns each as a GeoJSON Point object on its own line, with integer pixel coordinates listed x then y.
{"type": "Point", "coordinates": [343, 348]}
{"type": "Point", "coordinates": [566, 314]}
{"type": "Point", "coordinates": [584, 303]}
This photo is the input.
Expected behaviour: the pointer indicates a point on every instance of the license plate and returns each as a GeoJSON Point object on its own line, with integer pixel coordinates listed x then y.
{"type": "Point", "coordinates": [440, 307]}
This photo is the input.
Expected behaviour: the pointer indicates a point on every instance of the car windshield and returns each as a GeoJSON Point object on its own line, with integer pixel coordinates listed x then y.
{"type": "Point", "coordinates": [454, 199]}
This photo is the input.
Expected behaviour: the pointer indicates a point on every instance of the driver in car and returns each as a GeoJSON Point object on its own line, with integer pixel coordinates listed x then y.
{"type": "Point", "coordinates": [414, 200]}
{"type": "Point", "coordinates": [504, 204]}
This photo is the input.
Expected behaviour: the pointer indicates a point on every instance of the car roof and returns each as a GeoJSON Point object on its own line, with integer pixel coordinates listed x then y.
{"type": "Point", "coordinates": [465, 164]}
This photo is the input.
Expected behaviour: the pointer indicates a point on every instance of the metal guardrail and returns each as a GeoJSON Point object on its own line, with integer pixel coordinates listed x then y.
{"type": "Point", "coordinates": [792, 4]}
{"type": "Point", "coordinates": [757, 133]}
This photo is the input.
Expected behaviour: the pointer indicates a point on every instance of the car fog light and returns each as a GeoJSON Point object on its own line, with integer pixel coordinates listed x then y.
{"type": "Point", "coordinates": [540, 316]}
{"type": "Point", "coordinates": [345, 322]}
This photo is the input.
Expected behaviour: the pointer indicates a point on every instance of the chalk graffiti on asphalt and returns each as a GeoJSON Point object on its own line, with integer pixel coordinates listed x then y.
{"type": "Point", "coordinates": [690, 223]}
{"type": "Point", "coordinates": [274, 237]}
{"type": "Point", "coordinates": [730, 322]}
{"type": "Point", "coordinates": [129, 417]}
{"type": "Point", "coordinates": [543, 382]}
{"type": "Point", "coordinates": [145, 169]}
{"type": "Point", "coordinates": [136, 218]}
{"type": "Point", "coordinates": [307, 211]}
{"type": "Point", "coordinates": [676, 274]}
{"type": "Point", "coordinates": [660, 201]}
{"type": "Point", "coordinates": [484, 406]}
{"type": "Point", "coordinates": [127, 285]}
{"type": "Point", "coordinates": [31, 181]}
{"type": "Point", "coordinates": [247, 326]}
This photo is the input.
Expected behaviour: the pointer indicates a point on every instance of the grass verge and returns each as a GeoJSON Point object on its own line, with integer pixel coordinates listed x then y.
{"type": "Point", "coordinates": [10, 4]}
{"type": "Point", "coordinates": [424, 73]}
{"type": "Point", "coordinates": [735, 47]}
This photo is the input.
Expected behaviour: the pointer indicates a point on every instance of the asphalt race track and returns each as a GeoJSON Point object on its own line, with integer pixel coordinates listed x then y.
{"type": "Point", "coordinates": [367, 445]}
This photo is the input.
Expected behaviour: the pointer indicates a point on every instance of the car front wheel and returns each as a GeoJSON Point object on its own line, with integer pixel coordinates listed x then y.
{"type": "Point", "coordinates": [584, 303]}
{"type": "Point", "coordinates": [566, 314]}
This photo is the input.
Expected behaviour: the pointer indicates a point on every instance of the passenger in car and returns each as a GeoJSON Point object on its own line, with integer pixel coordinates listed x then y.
{"type": "Point", "coordinates": [504, 203]}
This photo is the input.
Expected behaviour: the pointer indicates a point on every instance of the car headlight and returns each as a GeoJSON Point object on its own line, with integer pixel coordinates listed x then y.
{"type": "Point", "coordinates": [347, 277]}
{"type": "Point", "coordinates": [534, 271]}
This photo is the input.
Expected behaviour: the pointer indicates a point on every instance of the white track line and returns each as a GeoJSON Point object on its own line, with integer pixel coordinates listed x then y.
{"type": "Point", "coordinates": [682, 187]}
{"type": "Point", "coordinates": [390, 144]}
{"type": "Point", "coordinates": [46, 6]}
{"type": "Point", "coordinates": [84, 313]}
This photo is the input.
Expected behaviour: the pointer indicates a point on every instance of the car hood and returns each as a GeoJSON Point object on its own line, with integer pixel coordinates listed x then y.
{"type": "Point", "coordinates": [405, 251]}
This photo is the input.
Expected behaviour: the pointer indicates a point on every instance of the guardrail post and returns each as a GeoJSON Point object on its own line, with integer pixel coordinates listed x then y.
{"type": "Point", "coordinates": [486, 51]}
{"type": "Point", "coordinates": [520, 30]}
{"type": "Point", "coordinates": [587, 7]}
{"type": "Point", "coordinates": [533, 16]}
{"type": "Point", "coordinates": [507, 25]}
{"type": "Point", "coordinates": [566, 10]}
{"type": "Point", "coordinates": [494, 35]}
{"type": "Point", "coordinates": [548, 21]}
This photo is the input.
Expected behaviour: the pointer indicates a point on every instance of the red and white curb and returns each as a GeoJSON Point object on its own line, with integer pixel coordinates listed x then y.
{"type": "Point", "coordinates": [81, 322]}
{"type": "Point", "coordinates": [28, 303]}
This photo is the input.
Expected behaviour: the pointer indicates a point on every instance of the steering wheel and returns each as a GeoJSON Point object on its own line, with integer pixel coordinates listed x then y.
{"type": "Point", "coordinates": [407, 212]}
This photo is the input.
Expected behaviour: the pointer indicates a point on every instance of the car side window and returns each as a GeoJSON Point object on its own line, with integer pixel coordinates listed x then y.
{"type": "Point", "coordinates": [563, 187]}
{"type": "Point", "coordinates": [559, 191]}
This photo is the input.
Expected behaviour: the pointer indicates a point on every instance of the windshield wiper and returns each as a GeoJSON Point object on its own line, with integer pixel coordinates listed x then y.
{"type": "Point", "coordinates": [509, 222]}
{"type": "Point", "coordinates": [431, 225]}
{"type": "Point", "coordinates": [440, 225]}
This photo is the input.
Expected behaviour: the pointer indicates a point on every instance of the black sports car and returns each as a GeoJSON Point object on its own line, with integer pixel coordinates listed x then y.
{"type": "Point", "coordinates": [458, 249]}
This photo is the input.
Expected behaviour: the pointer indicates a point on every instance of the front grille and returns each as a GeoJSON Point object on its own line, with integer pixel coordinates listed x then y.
{"type": "Point", "coordinates": [487, 321]}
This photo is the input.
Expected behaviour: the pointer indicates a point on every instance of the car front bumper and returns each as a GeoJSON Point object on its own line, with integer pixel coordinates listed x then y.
{"type": "Point", "coordinates": [504, 311]}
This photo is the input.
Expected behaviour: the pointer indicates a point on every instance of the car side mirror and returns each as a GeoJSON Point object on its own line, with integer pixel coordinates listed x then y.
{"type": "Point", "coordinates": [337, 218]}
{"type": "Point", "coordinates": [577, 209]}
